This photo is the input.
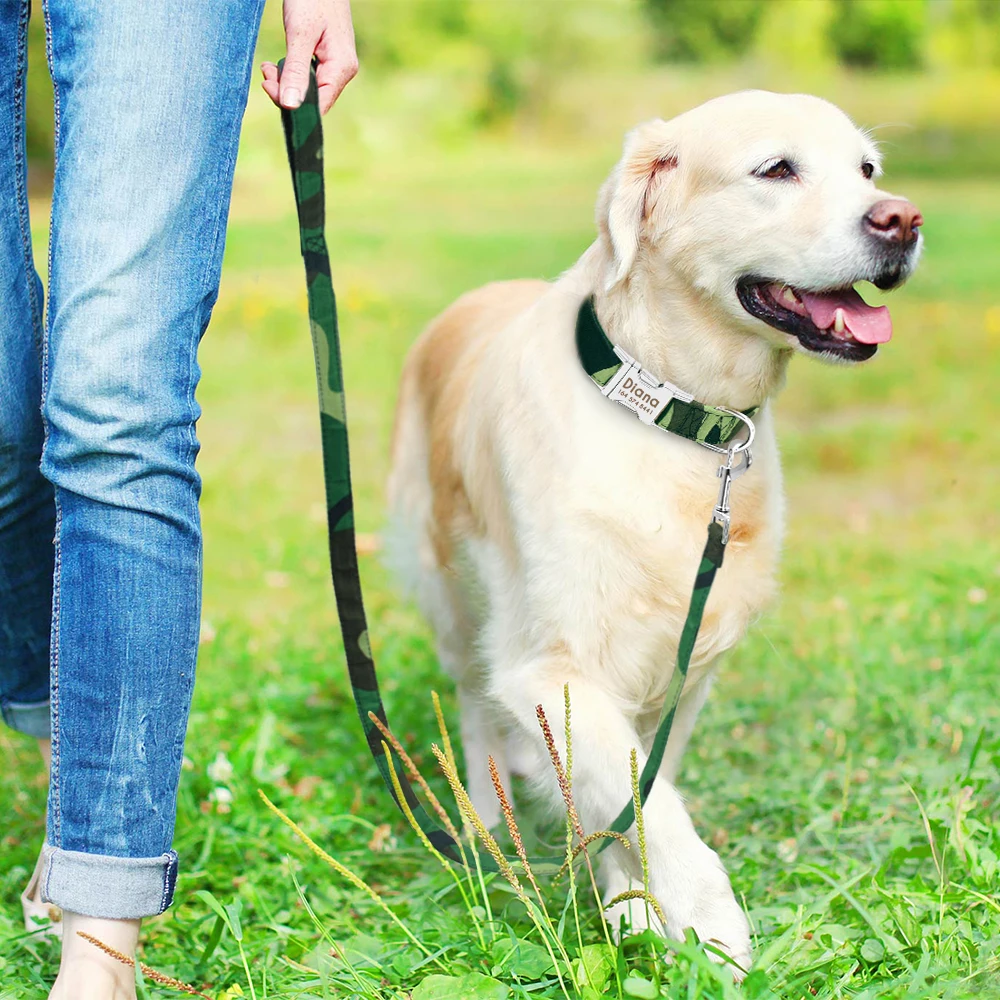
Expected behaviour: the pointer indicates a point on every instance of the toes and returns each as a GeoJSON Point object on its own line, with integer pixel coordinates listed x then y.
{"type": "Point", "coordinates": [726, 928]}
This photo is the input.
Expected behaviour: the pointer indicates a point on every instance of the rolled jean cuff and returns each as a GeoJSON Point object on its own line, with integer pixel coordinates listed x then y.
{"type": "Point", "coordinates": [30, 718]}
{"type": "Point", "coordinates": [97, 885]}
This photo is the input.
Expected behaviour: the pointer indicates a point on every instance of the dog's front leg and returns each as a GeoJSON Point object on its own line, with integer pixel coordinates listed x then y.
{"type": "Point", "coordinates": [691, 703]}
{"type": "Point", "coordinates": [686, 876]}
{"type": "Point", "coordinates": [482, 739]}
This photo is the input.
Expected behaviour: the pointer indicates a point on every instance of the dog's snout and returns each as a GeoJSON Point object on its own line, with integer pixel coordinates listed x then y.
{"type": "Point", "coordinates": [893, 220]}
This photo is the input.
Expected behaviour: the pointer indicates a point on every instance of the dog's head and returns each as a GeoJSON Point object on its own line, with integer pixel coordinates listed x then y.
{"type": "Point", "coordinates": [768, 204]}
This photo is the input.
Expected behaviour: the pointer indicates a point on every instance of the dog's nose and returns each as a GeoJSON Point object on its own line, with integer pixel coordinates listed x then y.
{"type": "Point", "coordinates": [894, 220]}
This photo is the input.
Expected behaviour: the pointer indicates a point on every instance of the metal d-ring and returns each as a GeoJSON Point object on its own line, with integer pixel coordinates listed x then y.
{"type": "Point", "coordinates": [740, 448]}
{"type": "Point", "coordinates": [751, 429]}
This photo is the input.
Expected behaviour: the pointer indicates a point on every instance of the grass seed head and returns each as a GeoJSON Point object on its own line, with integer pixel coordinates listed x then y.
{"type": "Point", "coordinates": [150, 973]}
{"type": "Point", "coordinates": [342, 870]}
{"type": "Point", "coordinates": [639, 894]}
{"type": "Point", "coordinates": [508, 815]}
{"type": "Point", "coordinates": [469, 812]}
{"type": "Point", "coordinates": [416, 776]}
{"type": "Point", "coordinates": [564, 785]}
{"type": "Point", "coordinates": [640, 822]}
{"type": "Point", "coordinates": [443, 729]}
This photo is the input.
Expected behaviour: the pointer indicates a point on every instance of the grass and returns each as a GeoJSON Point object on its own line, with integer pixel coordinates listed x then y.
{"type": "Point", "coordinates": [846, 767]}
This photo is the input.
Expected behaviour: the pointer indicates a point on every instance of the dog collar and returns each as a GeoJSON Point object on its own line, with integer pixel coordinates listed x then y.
{"type": "Point", "coordinates": [621, 378]}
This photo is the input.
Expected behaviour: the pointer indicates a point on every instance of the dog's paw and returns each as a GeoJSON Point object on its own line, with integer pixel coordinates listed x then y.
{"type": "Point", "coordinates": [722, 925]}
{"type": "Point", "coordinates": [715, 915]}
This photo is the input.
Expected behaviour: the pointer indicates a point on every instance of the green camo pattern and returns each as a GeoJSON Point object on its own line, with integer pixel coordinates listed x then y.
{"type": "Point", "coordinates": [304, 142]}
{"type": "Point", "coordinates": [692, 420]}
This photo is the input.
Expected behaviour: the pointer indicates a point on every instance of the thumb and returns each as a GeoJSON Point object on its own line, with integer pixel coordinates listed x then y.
{"type": "Point", "coordinates": [295, 73]}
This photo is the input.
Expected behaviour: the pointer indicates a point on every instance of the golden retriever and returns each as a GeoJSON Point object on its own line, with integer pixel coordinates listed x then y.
{"type": "Point", "coordinates": [553, 538]}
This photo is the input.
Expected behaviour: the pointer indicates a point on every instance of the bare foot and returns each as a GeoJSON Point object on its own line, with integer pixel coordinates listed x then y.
{"type": "Point", "coordinates": [88, 973]}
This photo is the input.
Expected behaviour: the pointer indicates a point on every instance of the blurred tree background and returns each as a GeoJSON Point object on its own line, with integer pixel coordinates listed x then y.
{"type": "Point", "coordinates": [693, 31]}
{"type": "Point", "coordinates": [926, 73]}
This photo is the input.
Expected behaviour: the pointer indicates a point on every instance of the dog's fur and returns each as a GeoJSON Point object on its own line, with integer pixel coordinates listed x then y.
{"type": "Point", "coordinates": [551, 537]}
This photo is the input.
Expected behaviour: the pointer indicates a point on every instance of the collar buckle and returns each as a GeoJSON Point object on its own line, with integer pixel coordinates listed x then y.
{"type": "Point", "coordinates": [637, 390]}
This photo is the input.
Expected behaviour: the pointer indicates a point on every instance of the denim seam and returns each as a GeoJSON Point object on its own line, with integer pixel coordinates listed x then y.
{"type": "Point", "coordinates": [171, 859]}
{"type": "Point", "coordinates": [21, 166]}
{"type": "Point", "coordinates": [55, 807]}
{"type": "Point", "coordinates": [166, 880]}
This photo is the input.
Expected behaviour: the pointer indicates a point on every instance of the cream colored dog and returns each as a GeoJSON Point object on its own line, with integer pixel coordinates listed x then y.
{"type": "Point", "coordinates": [553, 538]}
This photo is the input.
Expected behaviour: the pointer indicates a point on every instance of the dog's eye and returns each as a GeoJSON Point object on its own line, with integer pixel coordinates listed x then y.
{"type": "Point", "coordinates": [782, 170]}
{"type": "Point", "coordinates": [868, 169]}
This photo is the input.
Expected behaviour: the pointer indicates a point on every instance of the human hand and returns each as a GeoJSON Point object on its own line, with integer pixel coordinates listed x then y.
{"type": "Point", "coordinates": [314, 27]}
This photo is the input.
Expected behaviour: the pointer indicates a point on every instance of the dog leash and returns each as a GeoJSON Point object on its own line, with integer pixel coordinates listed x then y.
{"type": "Point", "coordinates": [618, 376]}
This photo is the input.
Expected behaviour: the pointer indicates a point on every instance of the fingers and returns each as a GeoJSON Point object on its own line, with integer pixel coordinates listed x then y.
{"type": "Point", "coordinates": [270, 84]}
{"type": "Point", "coordinates": [333, 75]}
{"type": "Point", "coordinates": [314, 27]}
{"type": "Point", "coordinates": [294, 80]}
{"type": "Point", "coordinates": [338, 58]}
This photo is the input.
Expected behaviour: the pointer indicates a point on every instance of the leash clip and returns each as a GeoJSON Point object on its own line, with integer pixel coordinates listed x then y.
{"type": "Point", "coordinates": [728, 471]}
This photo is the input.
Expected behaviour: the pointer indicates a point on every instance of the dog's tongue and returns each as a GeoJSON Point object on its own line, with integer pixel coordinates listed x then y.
{"type": "Point", "coordinates": [867, 324]}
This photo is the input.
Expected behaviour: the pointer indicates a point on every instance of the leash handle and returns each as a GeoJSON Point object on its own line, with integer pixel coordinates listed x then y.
{"type": "Point", "coordinates": [304, 143]}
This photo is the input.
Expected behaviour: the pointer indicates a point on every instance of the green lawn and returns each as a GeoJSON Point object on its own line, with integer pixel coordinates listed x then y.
{"type": "Point", "coordinates": [846, 767]}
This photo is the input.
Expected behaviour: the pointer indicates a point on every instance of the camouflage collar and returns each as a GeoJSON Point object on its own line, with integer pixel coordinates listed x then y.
{"type": "Point", "coordinates": [621, 378]}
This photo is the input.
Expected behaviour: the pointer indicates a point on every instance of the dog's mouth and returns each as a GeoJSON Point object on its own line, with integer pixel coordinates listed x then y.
{"type": "Point", "coordinates": [837, 322]}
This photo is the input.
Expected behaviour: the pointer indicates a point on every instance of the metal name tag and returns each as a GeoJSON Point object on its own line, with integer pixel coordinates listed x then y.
{"type": "Point", "coordinates": [639, 391]}
{"type": "Point", "coordinates": [636, 391]}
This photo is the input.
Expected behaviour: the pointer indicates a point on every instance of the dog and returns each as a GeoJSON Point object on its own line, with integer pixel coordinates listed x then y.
{"type": "Point", "coordinates": [552, 538]}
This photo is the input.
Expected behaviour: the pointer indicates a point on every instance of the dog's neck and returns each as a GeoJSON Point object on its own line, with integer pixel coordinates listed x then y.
{"type": "Point", "coordinates": [685, 340]}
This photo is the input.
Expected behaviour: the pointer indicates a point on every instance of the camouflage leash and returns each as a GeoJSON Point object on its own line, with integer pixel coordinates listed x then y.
{"type": "Point", "coordinates": [711, 427]}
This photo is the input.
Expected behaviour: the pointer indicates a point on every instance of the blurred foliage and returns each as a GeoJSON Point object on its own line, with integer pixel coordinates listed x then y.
{"type": "Point", "coordinates": [39, 107]}
{"type": "Point", "coordinates": [964, 32]}
{"type": "Point", "coordinates": [865, 34]}
{"type": "Point", "coordinates": [924, 73]}
{"type": "Point", "coordinates": [704, 30]}
{"type": "Point", "coordinates": [504, 56]}
{"type": "Point", "coordinates": [879, 34]}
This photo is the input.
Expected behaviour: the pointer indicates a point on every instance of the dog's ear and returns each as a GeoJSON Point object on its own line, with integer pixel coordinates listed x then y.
{"type": "Point", "coordinates": [629, 194]}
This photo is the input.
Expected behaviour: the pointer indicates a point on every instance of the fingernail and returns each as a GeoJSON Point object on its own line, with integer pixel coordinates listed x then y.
{"type": "Point", "coordinates": [291, 98]}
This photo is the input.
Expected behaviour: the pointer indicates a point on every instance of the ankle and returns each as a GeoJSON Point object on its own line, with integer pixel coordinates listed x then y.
{"type": "Point", "coordinates": [45, 749]}
{"type": "Point", "coordinates": [87, 971]}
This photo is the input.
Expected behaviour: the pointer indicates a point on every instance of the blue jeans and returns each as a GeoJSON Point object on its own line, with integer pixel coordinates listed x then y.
{"type": "Point", "coordinates": [100, 542]}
